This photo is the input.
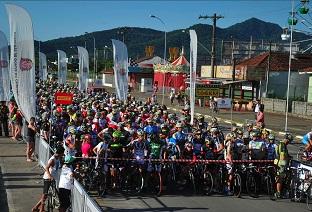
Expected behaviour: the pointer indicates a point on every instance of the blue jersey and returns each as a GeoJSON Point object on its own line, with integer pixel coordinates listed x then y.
{"type": "Point", "coordinates": [271, 153]}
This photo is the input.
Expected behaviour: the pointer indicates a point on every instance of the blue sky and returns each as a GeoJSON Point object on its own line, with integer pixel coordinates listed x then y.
{"type": "Point", "coordinates": [54, 19]}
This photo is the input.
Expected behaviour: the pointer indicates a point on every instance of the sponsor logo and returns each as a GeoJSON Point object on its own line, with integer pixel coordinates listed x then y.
{"type": "Point", "coordinates": [3, 64]}
{"type": "Point", "coordinates": [25, 64]}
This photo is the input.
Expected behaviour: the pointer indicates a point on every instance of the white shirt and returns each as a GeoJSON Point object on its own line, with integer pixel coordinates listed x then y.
{"type": "Point", "coordinates": [52, 170]}
{"type": "Point", "coordinates": [66, 179]}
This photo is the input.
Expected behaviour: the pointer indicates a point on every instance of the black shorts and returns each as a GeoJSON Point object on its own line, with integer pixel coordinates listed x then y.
{"type": "Point", "coordinates": [46, 186]}
{"type": "Point", "coordinates": [64, 197]}
{"type": "Point", "coordinates": [30, 139]}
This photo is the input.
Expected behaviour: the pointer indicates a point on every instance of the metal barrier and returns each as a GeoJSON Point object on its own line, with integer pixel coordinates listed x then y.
{"type": "Point", "coordinates": [78, 197]}
{"type": "Point", "coordinates": [43, 152]}
{"type": "Point", "coordinates": [81, 201]}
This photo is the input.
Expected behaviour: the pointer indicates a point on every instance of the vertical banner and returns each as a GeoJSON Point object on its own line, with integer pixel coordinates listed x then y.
{"type": "Point", "coordinates": [61, 66]}
{"type": "Point", "coordinates": [42, 66]}
{"type": "Point", "coordinates": [193, 61]}
{"type": "Point", "coordinates": [120, 69]}
{"type": "Point", "coordinates": [83, 56]}
{"type": "Point", "coordinates": [22, 60]}
{"type": "Point", "coordinates": [4, 69]}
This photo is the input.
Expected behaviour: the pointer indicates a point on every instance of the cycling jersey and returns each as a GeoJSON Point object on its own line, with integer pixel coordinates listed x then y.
{"type": "Point", "coordinates": [139, 147]}
{"type": "Point", "coordinates": [208, 152]}
{"type": "Point", "coordinates": [271, 154]}
{"type": "Point", "coordinates": [306, 138]}
{"type": "Point", "coordinates": [116, 150]}
{"type": "Point", "coordinates": [156, 149]}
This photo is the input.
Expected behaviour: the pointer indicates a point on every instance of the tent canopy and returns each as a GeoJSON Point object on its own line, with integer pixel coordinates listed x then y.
{"type": "Point", "coordinates": [180, 61]}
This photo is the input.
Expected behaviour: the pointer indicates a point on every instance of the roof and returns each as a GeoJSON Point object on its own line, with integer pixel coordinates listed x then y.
{"type": "Point", "coordinates": [180, 61]}
{"type": "Point", "coordinates": [148, 63]}
{"type": "Point", "coordinates": [279, 61]}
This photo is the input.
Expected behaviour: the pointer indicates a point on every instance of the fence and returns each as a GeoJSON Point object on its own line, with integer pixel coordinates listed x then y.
{"type": "Point", "coordinates": [274, 105]}
{"type": "Point", "coordinates": [302, 108]}
{"type": "Point", "coordinates": [81, 201]}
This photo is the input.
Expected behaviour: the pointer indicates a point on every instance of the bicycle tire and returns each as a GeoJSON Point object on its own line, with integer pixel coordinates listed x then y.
{"type": "Point", "coordinates": [251, 185]}
{"type": "Point", "coordinates": [300, 153]}
{"type": "Point", "coordinates": [207, 182]}
{"type": "Point", "coordinates": [102, 185]}
{"type": "Point", "coordinates": [50, 206]}
{"type": "Point", "coordinates": [192, 179]}
{"type": "Point", "coordinates": [309, 198]}
{"type": "Point", "coordinates": [237, 185]}
{"type": "Point", "coordinates": [269, 186]}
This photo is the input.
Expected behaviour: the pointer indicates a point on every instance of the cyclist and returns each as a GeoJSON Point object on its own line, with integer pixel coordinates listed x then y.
{"type": "Point", "coordinates": [218, 143]}
{"type": "Point", "coordinates": [139, 147]}
{"type": "Point", "coordinates": [307, 141]}
{"type": "Point", "coordinates": [156, 148]}
{"type": "Point", "coordinates": [271, 146]}
{"type": "Point", "coordinates": [179, 136]}
{"type": "Point", "coordinates": [229, 156]}
{"type": "Point", "coordinates": [256, 146]}
{"type": "Point", "coordinates": [282, 160]}
{"type": "Point", "coordinates": [207, 149]}
{"type": "Point", "coordinates": [49, 176]}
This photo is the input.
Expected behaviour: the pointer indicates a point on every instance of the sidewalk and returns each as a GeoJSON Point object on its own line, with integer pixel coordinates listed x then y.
{"type": "Point", "coordinates": [275, 122]}
{"type": "Point", "coordinates": [20, 181]}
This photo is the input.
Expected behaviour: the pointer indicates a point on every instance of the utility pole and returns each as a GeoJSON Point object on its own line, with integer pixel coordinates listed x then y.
{"type": "Point", "coordinates": [268, 70]}
{"type": "Point", "coordinates": [214, 19]}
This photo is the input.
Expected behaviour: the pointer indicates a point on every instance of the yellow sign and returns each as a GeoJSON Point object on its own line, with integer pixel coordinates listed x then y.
{"type": "Point", "coordinates": [205, 92]}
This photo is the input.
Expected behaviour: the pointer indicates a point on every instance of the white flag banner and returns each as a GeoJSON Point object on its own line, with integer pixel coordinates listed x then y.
{"type": "Point", "coordinates": [42, 66]}
{"type": "Point", "coordinates": [120, 69]}
{"type": "Point", "coordinates": [193, 61]}
{"type": "Point", "coordinates": [22, 60]}
{"type": "Point", "coordinates": [61, 66]}
{"type": "Point", "coordinates": [83, 56]}
{"type": "Point", "coordinates": [4, 69]}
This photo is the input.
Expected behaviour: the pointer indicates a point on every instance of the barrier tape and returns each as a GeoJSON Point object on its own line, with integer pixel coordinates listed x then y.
{"type": "Point", "coordinates": [180, 160]}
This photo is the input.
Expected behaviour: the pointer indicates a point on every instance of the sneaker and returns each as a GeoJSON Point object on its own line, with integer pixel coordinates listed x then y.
{"type": "Point", "coordinates": [277, 195]}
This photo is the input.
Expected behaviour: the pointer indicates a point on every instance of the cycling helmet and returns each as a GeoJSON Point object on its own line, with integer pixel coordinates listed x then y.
{"type": "Point", "coordinates": [69, 159]}
{"type": "Point", "coordinates": [271, 137]}
{"type": "Point", "coordinates": [289, 136]}
{"type": "Point", "coordinates": [140, 132]}
{"type": "Point", "coordinates": [72, 130]}
{"type": "Point", "coordinates": [239, 132]}
{"type": "Point", "coordinates": [246, 136]}
{"type": "Point", "coordinates": [178, 125]}
{"type": "Point", "coordinates": [117, 134]}
{"type": "Point", "coordinates": [254, 134]}
{"type": "Point", "coordinates": [230, 136]}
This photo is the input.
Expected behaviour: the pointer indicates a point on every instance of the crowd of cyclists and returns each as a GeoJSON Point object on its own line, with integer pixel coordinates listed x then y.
{"type": "Point", "coordinates": [100, 131]}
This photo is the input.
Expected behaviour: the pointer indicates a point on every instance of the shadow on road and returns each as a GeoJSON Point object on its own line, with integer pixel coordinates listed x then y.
{"type": "Point", "coordinates": [3, 195]}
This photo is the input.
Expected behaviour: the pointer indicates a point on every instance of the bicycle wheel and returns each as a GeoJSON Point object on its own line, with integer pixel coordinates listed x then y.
{"type": "Point", "coordinates": [269, 186]}
{"type": "Point", "coordinates": [309, 198]}
{"type": "Point", "coordinates": [133, 182]}
{"type": "Point", "coordinates": [251, 185]}
{"type": "Point", "coordinates": [300, 153]}
{"type": "Point", "coordinates": [50, 206]}
{"type": "Point", "coordinates": [237, 185]}
{"type": "Point", "coordinates": [192, 180]}
{"type": "Point", "coordinates": [207, 183]}
{"type": "Point", "coordinates": [102, 185]}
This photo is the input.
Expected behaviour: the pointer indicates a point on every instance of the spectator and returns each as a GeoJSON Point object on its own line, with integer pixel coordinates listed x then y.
{"type": "Point", "coordinates": [260, 116]}
{"type": "Point", "coordinates": [31, 133]}
{"type": "Point", "coordinates": [4, 111]}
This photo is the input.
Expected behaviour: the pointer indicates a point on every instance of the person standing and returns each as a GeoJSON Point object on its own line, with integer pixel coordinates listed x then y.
{"type": "Point", "coordinates": [260, 117]}
{"type": "Point", "coordinates": [49, 176]}
{"type": "Point", "coordinates": [281, 161]}
{"type": "Point", "coordinates": [31, 133]}
{"type": "Point", "coordinates": [66, 183]}
{"type": "Point", "coordinates": [4, 111]}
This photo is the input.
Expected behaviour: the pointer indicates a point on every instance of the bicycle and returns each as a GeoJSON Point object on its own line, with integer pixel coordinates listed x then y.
{"type": "Point", "coordinates": [131, 178]}
{"type": "Point", "coordinates": [53, 200]}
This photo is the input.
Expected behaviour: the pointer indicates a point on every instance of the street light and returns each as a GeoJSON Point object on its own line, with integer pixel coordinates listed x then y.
{"type": "Point", "coordinates": [163, 91]}
{"type": "Point", "coordinates": [289, 65]}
